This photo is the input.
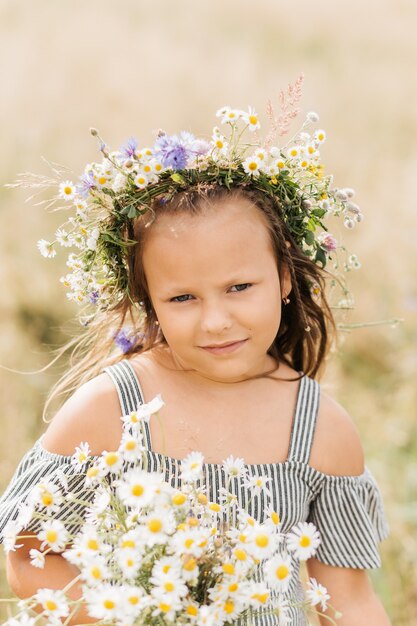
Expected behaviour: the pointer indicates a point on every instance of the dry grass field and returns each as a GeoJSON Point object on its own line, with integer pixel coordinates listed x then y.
{"type": "Point", "coordinates": [130, 67]}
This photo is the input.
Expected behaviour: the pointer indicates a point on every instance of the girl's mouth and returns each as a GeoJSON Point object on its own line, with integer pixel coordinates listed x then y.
{"type": "Point", "coordinates": [225, 348]}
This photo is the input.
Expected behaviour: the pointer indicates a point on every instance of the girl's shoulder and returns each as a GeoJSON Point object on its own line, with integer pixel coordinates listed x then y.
{"type": "Point", "coordinates": [337, 448]}
{"type": "Point", "coordinates": [90, 414]}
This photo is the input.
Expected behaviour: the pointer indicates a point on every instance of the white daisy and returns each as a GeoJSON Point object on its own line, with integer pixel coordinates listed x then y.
{"type": "Point", "coordinates": [95, 570]}
{"type": "Point", "coordinates": [320, 136]}
{"type": "Point", "coordinates": [105, 601]}
{"type": "Point", "coordinates": [111, 461]}
{"type": "Point", "coordinates": [252, 165]}
{"type": "Point", "coordinates": [67, 190]}
{"type": "Point", "coordinates": [129, 562]}
{"type": "Point", "coordinates": [278, 572]}
{"type": "Point", "coordinates": [192, 467]}
{"type": "Point", "coordinates": [137, 488]}
{"type": "Point", "coordinates": [54, 535]}
{"type": "Point", "coordinates": [26, 510]}
{"type": "Point", "coordinates": [141, 180]}
{"type": "Point", "coordinates": [81, 454]}
{"type": "Point", "coordinates": [143, 412]}
{"type": "Point", "coordinates": [157, 526]}
{"type": "Point", "coordinates": [10, 532]}
{"type": "Point", "coordinates": [262, 543]}
{"type": "Point", "coordinates": [259, 594]}
{"type": "Point", "coordinates": [94, 474]}
{"type": "Point", "coordinates": [317, 594]}
{"type": "Point", "coordinates": [257, 484]}
{"type": "Point", "coordinates": [167, 608]}
{"type": "Point", "coordinates": [53, 603]}
{"type": "Point", "coordinates": [22, 620]}
{"type": "Point", "coordinates": [312, 117]}
{"type": "Point", "coordinates": [46, 248]}
{"type": "Point", "coordinates": [63, 237]}
{"type": "Point", "coordinates": [37, 558]}
{"type": "Point", "coordinates": [251, 118]}
{"type": "Point", "coordinates": [234, 467]}
{"type": "Point", "coordinates": [131, 445]}
{"type": "Point", "coordinates": [46, 495]}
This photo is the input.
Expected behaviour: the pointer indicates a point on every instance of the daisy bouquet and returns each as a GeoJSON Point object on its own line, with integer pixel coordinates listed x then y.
{"type": "Point", "coordinates": [151, 554]}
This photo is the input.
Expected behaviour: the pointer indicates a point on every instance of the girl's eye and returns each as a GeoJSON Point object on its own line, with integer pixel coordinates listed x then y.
{"type": "Point", "coordinates": [182, 298]}
{"type": "Point", "coordinates": [242, 286]}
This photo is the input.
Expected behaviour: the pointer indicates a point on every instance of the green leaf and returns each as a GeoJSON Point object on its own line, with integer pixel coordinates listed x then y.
{"type": "Point", "coordinates": [320, 257]}
{"type": "Point", "coordinates": [132, 212]}
{"type": "Point", "coordinates": [177, 178]}
{"type": "Point", "coordinates": [309, 237]}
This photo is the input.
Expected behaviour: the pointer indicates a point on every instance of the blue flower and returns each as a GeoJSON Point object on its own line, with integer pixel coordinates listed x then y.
{"type": "Point", "coordinates": [87, 183]}
{"type": "Point", "coordinates": [176, 150]}
{"type": "Point", "coordinates": [125, 341]}
{"type": "Point", "coordinates": [129, 148]}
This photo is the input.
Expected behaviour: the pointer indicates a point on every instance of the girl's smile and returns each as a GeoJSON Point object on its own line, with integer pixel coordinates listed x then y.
{"type": "Point", "coordinates": [214, 284]}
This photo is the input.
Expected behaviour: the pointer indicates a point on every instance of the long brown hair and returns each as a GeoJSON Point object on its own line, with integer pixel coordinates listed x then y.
{"type": "Point", "coordinates": [307, 324]}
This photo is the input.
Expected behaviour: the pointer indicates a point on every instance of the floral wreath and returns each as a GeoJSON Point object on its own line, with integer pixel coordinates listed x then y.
{"type": "Point", "coordinates": [124, 184]}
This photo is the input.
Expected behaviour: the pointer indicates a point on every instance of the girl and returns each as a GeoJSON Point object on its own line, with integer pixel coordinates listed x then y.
{"type": "Point", "coordinates": [234, 330]}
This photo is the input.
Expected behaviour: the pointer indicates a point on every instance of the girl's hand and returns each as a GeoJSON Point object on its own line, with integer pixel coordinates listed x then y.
{"type": "Point", "coordinates": [351, 593]}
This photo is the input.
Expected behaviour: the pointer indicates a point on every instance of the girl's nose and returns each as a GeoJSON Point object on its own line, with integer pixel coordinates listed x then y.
{"type": "Point", "coordinates": [215, 319]}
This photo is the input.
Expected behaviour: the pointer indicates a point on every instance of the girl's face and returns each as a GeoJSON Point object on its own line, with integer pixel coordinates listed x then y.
{"type": "Point", "coordinates": [214, 284]}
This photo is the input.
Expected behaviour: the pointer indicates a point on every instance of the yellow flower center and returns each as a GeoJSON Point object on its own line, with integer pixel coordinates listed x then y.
{"type": "Point", "coordinates": [92, 471]}
{"type": "Point", "coordinates": [68, 191]}
{"type": "Point", "coordinates": [190, 565]}
{"type": "Point", "coordinates": [130, 562]}
{"type": "Point", "coordinates": [253, 119]}
{"type": "Point", "coordinates": [219, 144]}
{"type": "Point", "coordinates": [96, 573]}
{"type": "Point", "coordinates": [133, 599]}
{"type": "Point", "coordinates": [179, 498]}
{"type": "Point", "coordinates": [137, 490]}
{"type": "Point", "coordinates": [233, 587]}
{"type": "Point", "coordinates": [261, 597]}
{"type": "Point", "coordinates": [188, 542]}
{"type": "Point", "coordinates": [111, 458]}
{"type": "Point", "coordinates": [164, 607]}
{"type": "Point", "coordinates": [214, 506]}
{"type": "Point", "coordinates": [158, 167]}
{"type": "Point", "coordinates": [228, 568]}
{"type": "Point", "coordinates": [169, 587]}
{"type": "Point", "coordinates": [191, 610]}
{"type": "Point", "coordinates": [262, 541]}
{"type": "Point", "coordinates": [155, 525]}
{"type": "Point", "coordinates": [253, 166]}
{"type": "Point", "coordinates": [51, 605]}
{"type": "Point", "coordinates": [102, 180]}
{"type": "Point", "coordinates": [92, 544]}
{"type": "Point", "coordinates": [240, 554]}
{"type": "Point", "coordinates": [275, 518]}
{"type": "Point", "coordinates": [109, 604]}
{"type": "Point", "coordinates": [282, 572]}
{"type": "Point", "coordinates": [146, 168]}
{"type": "Point", "coordinates": [229, 606]}
{"type": "Point", "coordinates": [202, 499]}
{"type": "Point", "coordinates": [51, 536]}
{"type": "Point", "coordinates": [305, 541]}
{"type": "Point", "coordinates": [192, 521]}
{"type": "Point", "coordinates": [47, 498]}
{"type": "Point", "coordinates": [128, 543]}
{"type": "Point", "coordinates": [130, 445]}
{"type": "Point", "coordinates": [166, 569]}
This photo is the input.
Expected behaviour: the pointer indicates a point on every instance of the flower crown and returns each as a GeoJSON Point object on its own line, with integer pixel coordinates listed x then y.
{"type": "Point", "coordinates": [123, 185]}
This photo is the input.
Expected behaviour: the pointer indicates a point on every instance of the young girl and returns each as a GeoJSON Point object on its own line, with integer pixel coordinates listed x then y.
{"type": "Point", "coordinates": [222, 262]}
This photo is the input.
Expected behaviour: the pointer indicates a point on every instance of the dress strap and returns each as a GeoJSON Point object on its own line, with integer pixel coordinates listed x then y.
{"type": "Point", "coordinates": [127, 385]}
{"type": "Point", "coordinates": [304, 422]}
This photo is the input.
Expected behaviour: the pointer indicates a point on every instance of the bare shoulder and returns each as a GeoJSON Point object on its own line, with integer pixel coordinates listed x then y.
{"type": "Point", "coordinates": [91, 414]}
{"type": "Point", "coordinates": [337, 447]}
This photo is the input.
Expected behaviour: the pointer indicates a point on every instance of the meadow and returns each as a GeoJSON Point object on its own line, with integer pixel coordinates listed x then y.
{"type": "Point", "coordinates": [132, 67]}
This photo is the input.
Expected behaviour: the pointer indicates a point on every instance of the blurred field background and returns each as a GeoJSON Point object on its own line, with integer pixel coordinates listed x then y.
{"type": "Point", "coordinates": [132, 67]}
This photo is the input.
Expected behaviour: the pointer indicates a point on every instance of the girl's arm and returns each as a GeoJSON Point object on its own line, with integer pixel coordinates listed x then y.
{"type": "Point", "coordinates": [25, 580]}
{"type": "Point", "coordinates": [351, 593]}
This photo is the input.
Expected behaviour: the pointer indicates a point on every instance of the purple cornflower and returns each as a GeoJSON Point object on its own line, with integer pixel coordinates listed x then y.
{"type": "Point", "coordinates": [128, 149]}
{"type": "Point", "coordinates": [176, 150]}
{"type": "Point", "coordinates": [87, 183]}
{"type": "Point", "coordinates": [93, 297]}
{"type": "Point", "coordinates": [125, 341]}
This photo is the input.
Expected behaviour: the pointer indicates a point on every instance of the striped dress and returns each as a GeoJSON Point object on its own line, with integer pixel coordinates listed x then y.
{"type": "Point", "coordinates": [347, 510]}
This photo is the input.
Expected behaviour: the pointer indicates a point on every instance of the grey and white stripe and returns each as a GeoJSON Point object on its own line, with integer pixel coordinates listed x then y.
{"type": "Point", "coordinates": [347, 510]}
